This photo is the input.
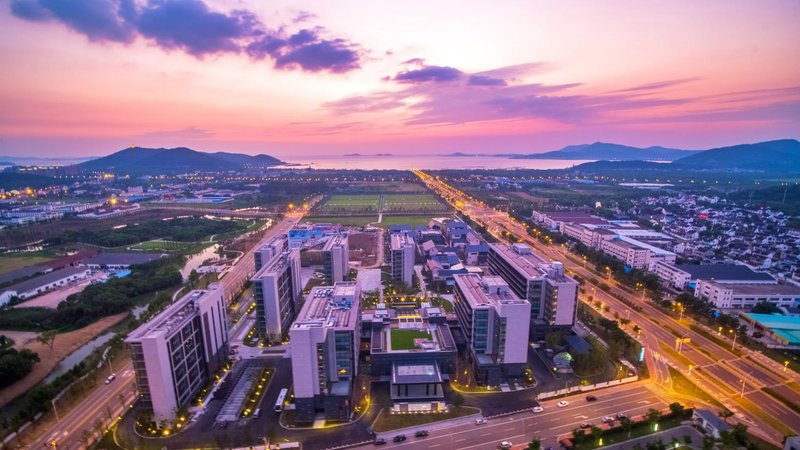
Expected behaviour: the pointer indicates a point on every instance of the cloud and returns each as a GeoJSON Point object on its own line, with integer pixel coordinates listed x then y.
{"type": "Point", "coordinates": [192, 27]}
{"type": "Point", "coordinates": [304, 16]}
{"type": "Point", "coordinates": [481, 80]}
{"type": "Point", "coordinates": [186, 133]}
{"type": "Point", "coordinates": [414, 62]}
{"type": "Point", "coordinates": [427, 74]}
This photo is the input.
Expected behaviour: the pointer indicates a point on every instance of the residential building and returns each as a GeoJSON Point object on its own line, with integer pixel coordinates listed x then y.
{"type": "Point", "coordinates": [43, 283]}
{"type": "Point", "coordinates": [403, 250]}
{"type": "Point", "coordinates": [492, 319]}
{"type": "Point", "coordinates": [632, 255]}
{"type": "Point", "coordinates": [324, 344]}
{"type": "Point", "coordinates": [277, 289]}
{"type": "Point", "coordinates": [175, 352]}
{"type": "Point", "coordinates": [273, 247]}
{"type": "Point", "coordinates": [552, 294]}
{"type": "Point", "coordinates": [336, 258]}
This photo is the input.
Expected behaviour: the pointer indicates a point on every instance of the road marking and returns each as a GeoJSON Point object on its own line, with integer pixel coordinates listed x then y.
{"type": "Point", "coordinates": [581, 417]}
{"type": "Point", "coordinates": [643, 402]}
{"type": "Point", "coordinates": [434, 445]}
{"type": "Point", "coordinates": [461, 440]}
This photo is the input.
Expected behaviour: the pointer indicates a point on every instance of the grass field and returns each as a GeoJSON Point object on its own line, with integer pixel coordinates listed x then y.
{"type": "Point", "coordinates": [411, 202]}
{"type": "Point", "coordinates": [404, 339]}
{"type": "Point", "coordinates": [359, 221]}
{"type": "Point", "coordinates": [352, 203]}
{"type": "Point", "coordinates": [405, 220]}
{"type": "Point", "coordinates": [14, 262]}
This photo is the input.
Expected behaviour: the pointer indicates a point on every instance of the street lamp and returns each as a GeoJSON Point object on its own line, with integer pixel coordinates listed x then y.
{"type": "Point", "coordinates": [690, 369]}
{"type": "Point", "coordinates": [733, 347]}
{"type": "Point", "coordinates": [719, 331]}
{"type": "Point", "coordinates": [584, 261]}
{"type": "Point", "coordinates": [608, 271]}
{"type": "Point", "coordinates": [785, 365]}
{"type": "Point", "coordinates": [741, 394]}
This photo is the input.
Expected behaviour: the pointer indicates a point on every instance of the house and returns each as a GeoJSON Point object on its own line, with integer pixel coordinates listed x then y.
{"type": "Point", "coordinates": [709, 422]}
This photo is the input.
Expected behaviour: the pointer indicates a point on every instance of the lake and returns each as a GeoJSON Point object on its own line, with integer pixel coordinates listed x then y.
{"type": "Point", "coordinates": [428, 162]}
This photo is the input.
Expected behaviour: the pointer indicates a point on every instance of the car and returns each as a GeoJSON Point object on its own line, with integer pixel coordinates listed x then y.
{"type": "Point", "coordinates": [111, 378]}
{"type": "Point", "coordinates": [621, 416]}
{"type": "Point", "coordinates": [421, 433]}
{"type": "Point", "coordinates": [607, 419]}
{"type": "Point", "coordinates": [379, 441]}
{"type": "Point", "coordinates": [480, 421]}
{"type": "Point", "coordinates": [591, 398]}
{"type": "Point", "coordinates": [399, 438]}
{"type": "Point", "coordinates": [562, 403]}
{"type": "Point", "coordinates": [505, 445]}
{"type": "Point", "coordinates": [586, 425]}
{"type": "Point", "coordinates": [537, 409]}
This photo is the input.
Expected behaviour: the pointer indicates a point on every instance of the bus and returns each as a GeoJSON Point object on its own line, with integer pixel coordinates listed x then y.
{"type": "Point", "coordinates": [279, 402]}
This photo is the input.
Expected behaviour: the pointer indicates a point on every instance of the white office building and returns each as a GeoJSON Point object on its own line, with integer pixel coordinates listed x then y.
{"type": "Point", "coordinates": [277, 289]}
{"type": "Point", "coordinates": [272, 248]}
{"type": "Point", "coordinates": [324, 345]}
{"type": "Point", "coordinates": [495, 323]}
{"type": "Point", "coordinates": [175, 352]}
{"type": "Point", "coordinates": [403, 250]}
{"type": "Point", "coordinates": [336, 258]}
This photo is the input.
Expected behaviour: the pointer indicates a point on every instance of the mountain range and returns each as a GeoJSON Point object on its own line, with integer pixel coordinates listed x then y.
{"type": "Point", "coordinates": [141, 160]}
{"type": "Point", "coordinates": [608, 151]}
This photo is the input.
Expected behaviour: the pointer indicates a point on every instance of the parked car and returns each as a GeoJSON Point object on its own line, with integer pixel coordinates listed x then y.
{"type": "Point", "coordinates": [621, 416]}
{"type": "Point", "coordinates": [591, 398]}
{"type": "Point", "coordinates": [379, 441]}
{"type": "Point", "coordinates": [505, 445]}
{"type": "Point", "coordinates": [480, 421]}
{"type": "Point", "coordinates": [537, 409]}
{"type": "Point", "coordinates": [399, 438]}
{"type": "Point", "coordinates": [421, 433]}
{"type": "Point", "coordinates": [111, 378]}
{"type": "Point", "coordinates": [562, 403]}
{"type": "Point", "coordinates": [608, 419]}
{"type": "Point", "coordinates": [586, 425]}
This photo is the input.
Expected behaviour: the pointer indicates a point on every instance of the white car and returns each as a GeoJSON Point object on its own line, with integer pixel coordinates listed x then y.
{"type": "Point", "coordinates": [562, 403]}
{"type": "Point", "coordinates": [607, 419]}
{"type": "Point", "coordinates": [111, 378]}
{"type": "Point", "coordinates": [505, 445]}
{"type": "Point", "coordinates": [480, 421]}
{"type": "Point", "coordinates": [537, 409]}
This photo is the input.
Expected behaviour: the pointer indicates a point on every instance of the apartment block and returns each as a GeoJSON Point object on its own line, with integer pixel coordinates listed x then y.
{"type": "Point", "coordinates": [495, 322]}
{"type": "Point", "coordinates": [403, 251]}
{"type": "Point", "coordinates": [175, 352]}
{"type": "Point", "coordinates": [270, 249]}
{"type": "Point", "coordinates": [277, 289]}
{"type": "Point", "coordinates": [336, 258]}
{"type": "Point", "coordinates": [553, 296]}
{"type": "Point", "coordinates": [324, 345]}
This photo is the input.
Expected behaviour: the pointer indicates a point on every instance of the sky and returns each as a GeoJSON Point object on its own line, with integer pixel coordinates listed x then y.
{"type": "Point", "coordinates": [288, 78]}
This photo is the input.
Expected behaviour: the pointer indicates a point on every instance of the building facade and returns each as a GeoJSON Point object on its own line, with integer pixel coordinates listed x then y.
{"type": "Point", "coordinates": [403, 250]}
{"type": "Point", "coordinates": [277, 289]}
{"type": "Point", "coordinates": [324, 344]}
{"type": "Point", "coordinates": [336, 258]}
{"type": "Point", "coordinates": [492, 319]}
{"type": "Point", "coordinates": [176, 352]}
{"type": "Point", "coordinates": [270, 249]}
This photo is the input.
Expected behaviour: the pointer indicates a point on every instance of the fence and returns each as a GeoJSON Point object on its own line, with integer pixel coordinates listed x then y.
{"type": "Point", "coordinates": [591, 387]}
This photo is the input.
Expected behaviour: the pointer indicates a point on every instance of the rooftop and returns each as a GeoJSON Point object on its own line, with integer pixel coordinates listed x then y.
{"type": "Point", "coordinates": [105, 259]}
{"type": "Point", "coordinates": [330, 306]}
{"type": "Point", "coordinates": [338, 240]}
{"type": "Point", "coordinates": [276, 264]}
{"type": "Point", "coordinates": [525, 261]}
{"type": "Point", "coordinates": [400, 240]}
{"type": "Point", "coordinates": [173, 317]}
{"type": "Point", "coordinates": [757, 290]}
{"type": "Point", "coordinates": [47, 278]}
{"type": "Point", "coordinates": [723, 272]}
{"type": "Point", "coordinates": [416, 373]}
{"type": "Point", "coordinates": [486, 291]}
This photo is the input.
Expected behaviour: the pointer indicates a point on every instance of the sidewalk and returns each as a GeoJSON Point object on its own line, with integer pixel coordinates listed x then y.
{"type": "Point", "coordinates": [430, 427]}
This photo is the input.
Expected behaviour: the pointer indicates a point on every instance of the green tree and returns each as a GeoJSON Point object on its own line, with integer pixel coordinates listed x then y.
{"type": "Point", "coordinates": [535, 444]}
{"type": "Point", "coordinates": [653, 415]}
{"type": "Point", "coordinates": [627, 425]}
{"type": "Point", "coordinates": [676, 408]}
{"type": "Point", "coordinates": [457, 400]}
{"type": "Point", "coordinates": [596, 433]}
{"type": "Point", "coordinates": [47, 337]}
{"type": "Point", "coordinates": [194, 278]}
{"type": "Point", "coordinates": [725, 414]}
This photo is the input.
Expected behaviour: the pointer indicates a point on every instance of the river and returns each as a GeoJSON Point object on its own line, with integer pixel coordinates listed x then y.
{"type": "Point", "coordinates": [198, 259]}
{"type": "Point", "coordinates": [78, 355]}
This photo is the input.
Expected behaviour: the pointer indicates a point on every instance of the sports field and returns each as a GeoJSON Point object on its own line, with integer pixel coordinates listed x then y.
{"type": "Point", "coordinates": [404, 339]}
{"type": "Point", "coordinates": [411, 202]}
{"type": "Point", "coordinates": [406, 220]}
{"type": "Point", "coordinates": [355, 221]}
{"type": "Point", "coordinates": [351, 204]}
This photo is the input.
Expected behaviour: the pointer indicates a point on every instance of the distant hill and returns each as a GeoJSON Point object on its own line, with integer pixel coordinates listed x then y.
{"type": "Point", "coordinates": [781, 155]}
{"type": "Point", "coordinates": [141, 160]}
{"type": "Point", "coordinates": [607, 151]}
{"type": "Point", "coordinates": [13, 180]}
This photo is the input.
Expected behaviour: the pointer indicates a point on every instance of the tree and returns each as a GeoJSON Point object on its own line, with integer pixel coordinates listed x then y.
{"type": "Point", "coordinates": [676, 408]}
{"type": "Point", "coordinates": [653, 415]}
{"type": "Point", "coordinates": [596, 433]}
{"type": "Point", "coordinates": [627, 425]}
{"type": "Point", "coordinates": [47, 337]}
{"type": "Point", "coordinates": [687, 439]}
{"type": "Point", "coordinates": [457, 400]}
{"type": "Point", "coordinates": [535, 444]}
{"type": "Point", "coordinates": [194, 278]}
{"type": "Point", "coordinates": [708, 442]}
{"type": "Point", "coordinates": [725, 414]}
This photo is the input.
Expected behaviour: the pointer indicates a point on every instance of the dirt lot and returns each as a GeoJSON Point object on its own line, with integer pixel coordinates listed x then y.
{"type": "Point", "coordinates": [20, 337]}
{"type": "Point", "coordinates": [65, 344]}
{"type": "Point", "coordinates": [531, 198]}
{"type": "Point", "coordinates": [52, 299]}
{"type": "Point", "coordinates": [364, 247]}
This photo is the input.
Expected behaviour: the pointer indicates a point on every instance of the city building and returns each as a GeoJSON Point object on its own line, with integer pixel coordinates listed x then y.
{"type": "Point", "coordinates": [553, 296]}
{"type": "Point", "coordinates": [277, 289]}
{"type": "Point", "coordinates": [740, 295]}
{"type": "Point", "coordinates": [118, 261]}
{"type": "Point", "coordinates": [681, 276]}
{"type": "Point", "coordinates": [308, 234]}
{"type": "Point", "coordinates": [403, 250]}
{"type": "Point", "coordinates": [336, 258]}
{"type": "Point", "coordinates": [273, 247]}
{"type": "Point", "coordinates": [43, 283]}
{"type": "Point", "coordinates": [175, 352]}
{"type": "Point", "coordinates": [671, 275]}
{"type": "Point", "coordinates": [632, 255]}
{"type": "Point", "coordinates": [495, 322]}
{"type": "Point", "coordinates": [324, 344]}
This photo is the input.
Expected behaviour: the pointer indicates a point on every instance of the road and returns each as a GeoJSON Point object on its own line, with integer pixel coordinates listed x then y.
{"type": "Point", "coordinates": [70, 430]}
{"type": "Point", "coordinates": [549, 425]}
{"type": "Point", "coordinates": [720, 370]}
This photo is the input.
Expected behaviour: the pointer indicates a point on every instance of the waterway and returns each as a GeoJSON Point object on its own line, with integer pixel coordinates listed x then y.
{"type": "Point", "coordinates": [78, 355]}
{"type": "Point", "coordinates": [197, 260]}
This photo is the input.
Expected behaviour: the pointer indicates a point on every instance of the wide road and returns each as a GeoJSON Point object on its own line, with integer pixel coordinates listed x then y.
{"type": "Point", "coordinates": [70, 430]}
{"type": "Point", "coordinates": [549, 425]}
{"type": "Point", "coordinates": [721, 372]}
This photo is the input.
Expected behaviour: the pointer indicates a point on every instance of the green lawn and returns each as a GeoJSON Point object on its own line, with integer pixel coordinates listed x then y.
{"type": "Point", "coordinates": [14, 262]}
{"type": "Point", "coordinates": [410, 202]}
{"type": "Point", "coordinates": [404, 339]}
{"type": "Point", "coordinates": [352, 203]}
{"type": "Point", "coordinates": [359, 221]}
{"type": "Point", "coordinates": [406, 220]}
{"type": "Point", "coordinates": [387, 421]}
{"type": "Point", "coordinates": [443, 303]}
{"type": "Point", "coordinates": [682, 385]}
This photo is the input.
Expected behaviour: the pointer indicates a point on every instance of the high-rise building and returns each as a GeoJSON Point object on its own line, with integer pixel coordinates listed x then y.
{"type": "Point", "coordinates": [277, 290]}
{"type": "Point", "coordinates": [272, 248]}
{"type": "Point", "coordinates": [403, 250]}
{"type": "Point", "coordinates": [324, 345]}
{"type": "Point", "coordinates": [175, 352]}
{"type": "Point", "coordinates": [336, 258]}
{"type": "Point", "coordinates": [552, 294]}
{"type": "Point", "coordinates": [495, 322]}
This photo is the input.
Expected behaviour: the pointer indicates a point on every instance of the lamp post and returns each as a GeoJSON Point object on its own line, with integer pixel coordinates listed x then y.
{"type": "Point", "coordinates": [741, 394]}
{"type": "Point", "coordinates": [566, 388]}
{"type": "Point", "coordinates": [733, 347]}
{"type": "Point", "coordinates": [785, 365]}
{"type": "Point", "coordinates": [690, 369]}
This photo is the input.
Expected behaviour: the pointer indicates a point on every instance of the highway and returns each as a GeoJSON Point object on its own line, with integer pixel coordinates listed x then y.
{"type": "Point", "coordinates": [715, 367]}
{"type": "Point", "coordinates": [70, 431]}
{"type": "Point", "coordinates": [554, 422]}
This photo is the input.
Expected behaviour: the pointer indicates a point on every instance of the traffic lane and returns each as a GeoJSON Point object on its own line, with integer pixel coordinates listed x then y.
{"type": "Point", "coordinates": [547, 425]}
{"type": "Point", "coordinates": [756, 372]}
{"type": "Point", "coordinates": [775, 410]}
{"type": "Point", "coordinates": [787, 393]}
{"type": "Point", "coordinates": [720, 378]}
